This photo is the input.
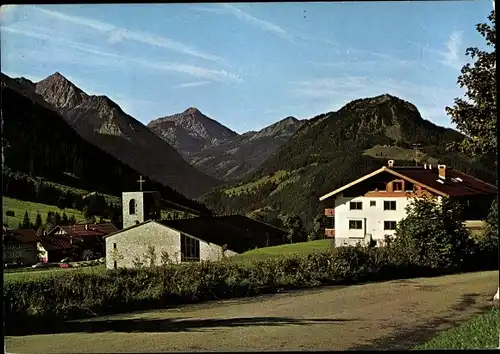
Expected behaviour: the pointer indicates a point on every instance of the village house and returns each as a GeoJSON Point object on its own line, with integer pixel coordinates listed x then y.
{"type": "Point", "coordinates": [87, 238]}
{"type": "Point", "coordinates": [370, 207]}
{"type": "Point", "coordinates": [195, 239]}
{"type": "Point", "coordinates": [19, 246]}
{"type": "Point", "coordinates": [54, 248]}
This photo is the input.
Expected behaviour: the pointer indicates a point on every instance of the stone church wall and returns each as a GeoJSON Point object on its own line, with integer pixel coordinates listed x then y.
{"type": "Point", "coordinates": [133, 243]}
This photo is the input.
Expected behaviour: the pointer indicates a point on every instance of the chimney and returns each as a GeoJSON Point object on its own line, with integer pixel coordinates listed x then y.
{"type": "Point", "coordinates": [442, 171]}
{"type": "Point", "coordinates": [390, 163]}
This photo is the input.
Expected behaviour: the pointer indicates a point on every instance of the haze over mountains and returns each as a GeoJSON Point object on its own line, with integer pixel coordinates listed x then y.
{"type": "Point", "coordinates": [217, 150]}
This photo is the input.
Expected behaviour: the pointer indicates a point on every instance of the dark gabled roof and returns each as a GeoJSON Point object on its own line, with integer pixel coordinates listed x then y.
{"type": "Point", "coordinates": [452, 187]}
{"type": "Point", "coordinates": [238, 232]}
{"type": "Point", "coordinates": [20, 236]}
{"type": "Point", "coordinates": [83, 230]}
{"type": "Point", "coordinates": [105, 227]}
{"type": "Point", "coordinates": [50, 243]}
{"type": "Point", "coordinates": [455, 183]}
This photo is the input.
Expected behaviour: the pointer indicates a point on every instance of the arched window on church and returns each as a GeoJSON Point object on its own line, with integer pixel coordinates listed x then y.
{"type": "Point", "coordinates": [131, 207]}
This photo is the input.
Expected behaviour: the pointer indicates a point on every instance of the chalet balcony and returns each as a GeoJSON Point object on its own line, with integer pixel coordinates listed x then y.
{"type": "Point", "coordinates": [329, 233]}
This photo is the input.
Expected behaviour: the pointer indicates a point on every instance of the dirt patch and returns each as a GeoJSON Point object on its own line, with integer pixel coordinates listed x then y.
{"type": "Point", "coordinates": [388, 315]}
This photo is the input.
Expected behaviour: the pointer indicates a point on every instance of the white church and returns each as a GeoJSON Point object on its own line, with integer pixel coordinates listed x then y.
{"type": "Point", "coordinates": [182, 240]}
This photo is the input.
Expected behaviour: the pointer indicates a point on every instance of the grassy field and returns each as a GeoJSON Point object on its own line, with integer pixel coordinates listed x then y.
{"type": "Point", "coordinates": [48, 273]}
{"type": "Point", "coordinates": [398, 153]}
{"type": "Point", "coordinates": [278, 176]}
{"type": "Point", "coordinates": [19, 207]}
{"type": "Point", "coordinates": [481, 332]}
{"type": "Point", "coordinates": [283, 250]}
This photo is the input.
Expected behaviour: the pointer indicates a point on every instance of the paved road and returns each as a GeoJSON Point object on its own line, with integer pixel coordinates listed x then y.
{"type": "Point", "coordinates": [389, 315]}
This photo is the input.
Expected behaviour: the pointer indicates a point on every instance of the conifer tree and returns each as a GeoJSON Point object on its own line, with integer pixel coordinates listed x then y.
{"type": "Point", "coordinates": [26, 221]}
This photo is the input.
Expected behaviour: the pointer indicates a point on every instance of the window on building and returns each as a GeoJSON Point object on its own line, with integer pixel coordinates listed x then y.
{"type": "Point", "coordinates": [355, 205]}
{"type": "Point", "coordinates": [389, 205]}
{"type": "Point", "coordinates": [114, 264]}
{"type": "Point", "coordinates": [389, 225]}
{"type": "Point", "coordinates": [409, 187]}
{"type": "Point", "coordinates": [373, 203]}
{"type": "Point", "coordinates": [397, 186]}
{"type": "Point", "coordinates": [190, 249]}
{"type": "Point", "coordinates": [131, 207]}
{"type": "Point", "coordinates": [114, 246]}
{"type": "Point", "coordinates": [355, 224]}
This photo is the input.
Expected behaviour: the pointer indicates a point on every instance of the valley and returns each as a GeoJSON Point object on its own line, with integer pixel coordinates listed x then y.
{"type": "Point", "coordinates": [257, 176]}
{"type": "Point", "coordinates": [277, 171]}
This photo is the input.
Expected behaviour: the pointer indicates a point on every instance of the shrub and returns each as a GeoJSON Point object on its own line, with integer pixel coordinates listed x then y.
{"type": "Point", "coordinates": [490, 239]}
{"type": "Point", "coordinates": [432, 234]}
{"type": "Point", "coordinates": [65, 295]}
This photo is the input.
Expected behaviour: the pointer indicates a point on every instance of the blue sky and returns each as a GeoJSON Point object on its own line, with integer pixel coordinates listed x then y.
{"type": "Point", "coordinates": [248, 65]}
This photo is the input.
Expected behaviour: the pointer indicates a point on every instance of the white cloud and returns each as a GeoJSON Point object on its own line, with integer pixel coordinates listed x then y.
{"type": "Point", "coordinates": [246, 17]}
{"type": "Point", "coordinates": [194, 84]}
{"type": "Point", "coordinates": [101, 57]}
{"type": "Point", "coordinates": [7, 8]}
{"type": "Point", "coordinates": [8, 14]}
{"type": "Point", "coordinates": [263, 25]}
{"type": "Point", "coordinates": [116, 34]}
{"type": "Point", "coordinates": [451, 57]}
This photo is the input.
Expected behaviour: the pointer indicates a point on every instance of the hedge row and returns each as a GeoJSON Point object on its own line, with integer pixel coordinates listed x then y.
{"type": "Point", "coordinates": [76, 295]}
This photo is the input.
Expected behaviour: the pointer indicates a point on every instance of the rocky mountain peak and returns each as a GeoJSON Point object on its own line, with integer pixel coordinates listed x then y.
{"type": "Point", "coordinates": [60, 92]}
{"type": "Point", "coordinates": [193, 111]}
{"type": "Point", "coordinates": [191, 130]}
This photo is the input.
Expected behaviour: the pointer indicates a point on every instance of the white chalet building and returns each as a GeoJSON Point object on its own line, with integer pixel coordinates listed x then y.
{"type": "Point", "coordinates": [370, 207]}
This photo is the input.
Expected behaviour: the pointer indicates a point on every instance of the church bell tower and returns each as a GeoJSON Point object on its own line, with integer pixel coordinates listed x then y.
{"type": "Point", "coordinates": [138, 207]}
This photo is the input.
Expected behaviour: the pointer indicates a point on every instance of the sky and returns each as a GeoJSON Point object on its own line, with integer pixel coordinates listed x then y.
{"type": "Point", "coordinates": [248, 65]}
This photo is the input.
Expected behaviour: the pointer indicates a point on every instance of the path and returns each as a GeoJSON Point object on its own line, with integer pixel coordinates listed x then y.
{"type": "Point", "coordinates": [395, 314]}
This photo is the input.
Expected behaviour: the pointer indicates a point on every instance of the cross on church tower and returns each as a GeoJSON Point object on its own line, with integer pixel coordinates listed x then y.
{"type": "Point", "coordinates": [141, 181]}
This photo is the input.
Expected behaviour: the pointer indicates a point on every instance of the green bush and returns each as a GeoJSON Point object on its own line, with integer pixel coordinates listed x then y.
{"type": "Point", "coordinates": [432, 235]}
{"type": "Point", "coordinates": [29, 302]}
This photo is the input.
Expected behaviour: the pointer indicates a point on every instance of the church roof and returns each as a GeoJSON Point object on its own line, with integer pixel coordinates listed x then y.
{"type": "Point", "coordinates": [238, 232]}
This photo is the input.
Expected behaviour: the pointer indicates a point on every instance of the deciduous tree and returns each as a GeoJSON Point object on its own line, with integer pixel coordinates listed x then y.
{"type": "Point", "coordinates": [475, 115]}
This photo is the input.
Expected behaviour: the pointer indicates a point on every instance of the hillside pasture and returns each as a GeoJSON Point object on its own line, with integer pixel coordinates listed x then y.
{"type": "Point", "coordinates": [242, 189]}
{"type": "Point", "coordinates": [284, 250]}
{"type": "Point", "coordinates": [398, 153]}
{"type": "Point", "coordinates": [19, 207]}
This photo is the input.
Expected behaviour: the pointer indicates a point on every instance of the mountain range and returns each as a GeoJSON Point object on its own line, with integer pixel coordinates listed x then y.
{"type": "Point", "coordinates": [103, 123]}
{"type": "Point", "coordinates": [336, 148]}
{"type": "Point", "coordinates": [38, 142]}
{"type": "Point", "coordinates": [217, 150]}
{"type": "Point", "coordinates": [268, 174]}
